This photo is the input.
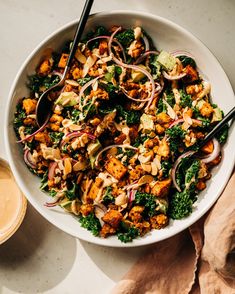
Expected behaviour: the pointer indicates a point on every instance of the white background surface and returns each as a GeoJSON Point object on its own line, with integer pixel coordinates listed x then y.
{"type": "Point", "coordinates": [40, 258]}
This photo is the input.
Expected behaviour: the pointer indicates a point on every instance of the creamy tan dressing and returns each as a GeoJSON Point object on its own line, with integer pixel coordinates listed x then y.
{"type": "Point", "coordinates": [10, 199]}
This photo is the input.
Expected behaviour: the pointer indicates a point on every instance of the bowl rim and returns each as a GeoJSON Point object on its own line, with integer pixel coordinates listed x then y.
{"type": "Point", "coordinates": [96, 240]}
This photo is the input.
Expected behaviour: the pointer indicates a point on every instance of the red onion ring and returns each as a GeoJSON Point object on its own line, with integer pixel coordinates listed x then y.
{"type": "Point", "coordinates": [145, 54]}
{"type": "Point", "coordinates": [51, 170]}
{"type": "Point", "coordinates": [134, 99]}
{"type": "Point", "coordinates": [146, 42]}
{"type": "Point", "coordinates": [114, 40]}
{"type": "Point", "coordinates": [134, 67]}
{"type": "Point", "coordinates": [175, 166]}
{"type": "Point", "coordinates": [132, 195]}
{"type": "Point", "coordinates": [75, 134]}
{"type": "Point", "coordinates": [52, 204]}
{"type": "Point", "coordinates": [215, 153]}
{"type": "Point", "coordinates": [84, 87]}
{"type": "Point", "coordinates": [173, 78]}
{"type": "Point", "coordinates": [33, 134]}
{"type": "Point", "coordinates": [113, 146]}
{"type": "Point", "coordinates": [28, 159]}
{"type": "Point", "coordinates": [181, 120]}
{"type": "Point", "coordinates": [181, 53]}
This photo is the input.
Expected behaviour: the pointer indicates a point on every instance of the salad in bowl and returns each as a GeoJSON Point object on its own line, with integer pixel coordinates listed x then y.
{"type": "Point", "coordinates": [115, 150]}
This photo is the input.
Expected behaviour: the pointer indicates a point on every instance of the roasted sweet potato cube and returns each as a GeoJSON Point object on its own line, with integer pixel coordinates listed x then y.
{"type": "Point", "coordinates": [112, 217]}
{"type": "Point", "coordinates": [161, 188]}
{"type": "Point", "coordinates": [159, 221]}
{"type": "Point", "coordinates": [115, 168]}
{"type": "Point", "coordinates": [201, 185]}
{"type": "Point", "coordinates": [29, 105]}
{"type": "Point", "coordinates": [206, 110]}
{"type": "Point", "coordinates": [208, 147]}
{"type": "Point", "coordinates": [93, 191]}
{"type": "Point", "coordinates": [45, 67]}
{"type": "Point", "coordinates": [191, 74]}
{"type": "Point", "coordinates": [107, 230]}
{"type": "Point", "coordinates": [63, 60]}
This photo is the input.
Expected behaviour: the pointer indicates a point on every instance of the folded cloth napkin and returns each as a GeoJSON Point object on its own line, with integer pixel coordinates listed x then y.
{"type": "Point", "coordinates": [198, 260]}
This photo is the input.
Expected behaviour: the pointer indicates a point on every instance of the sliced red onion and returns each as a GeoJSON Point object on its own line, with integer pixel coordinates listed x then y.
{"type": "Point", "coordinates": [173, 78]}
{"type": "Point", "coordinates": [114, 40]}
{"type": "Point", "coordinates": [180, 53]}
{"type": "Point", "coordinates": [146, 42]}
{"type": "Point", "coordinates": [145, 54]}
{"type": "Point", "coordinates": [28, 159]}
{"type": "Point", "coordinates": [100, 210]}
{"type": "Point", "coordinates": [215, 153]}
{"type": "Point", "coordinates": [33, 134]}
{"type": "Point", "coordinates": [134, 67]}
{"type": "Point", "coordinates": [130, 186]}
{"type": "Point", "coordinates": [134, 99]}
{"type": "Point", "coordinates": [132, 195]}
{"type": "Point", "coordinates": [54, 203]}
{"type": "Point", "coordinates": [51, 170]}
{"type": "Point", "coordinates": [181, 120]}
{"type": "Point", "coordinates": [113, 146]}
{"type": "Point", "coordinates": [76, 134]}
{"type": "Point", "coordinates": [159, 88]}
{"type": "Point", "coordinates": [175, 166]}
{"type": "Point", "coordinates": [87, 85]}
{"type": "Point", "coordinates": [80, 133]}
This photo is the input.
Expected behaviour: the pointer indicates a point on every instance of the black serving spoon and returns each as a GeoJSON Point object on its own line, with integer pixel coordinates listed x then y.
{"type": "Point", "coordinates": [44, 105]}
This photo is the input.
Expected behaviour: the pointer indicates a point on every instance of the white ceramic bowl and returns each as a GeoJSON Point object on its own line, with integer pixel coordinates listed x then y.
{"type": "Point", "coordinates": [166, 35]}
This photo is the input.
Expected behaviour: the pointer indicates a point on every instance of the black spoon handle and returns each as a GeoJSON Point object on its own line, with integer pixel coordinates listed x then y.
{"type": "Point", "coordinates": [218, 127]}
{"type": "Point", "coordinates": [79, 31]}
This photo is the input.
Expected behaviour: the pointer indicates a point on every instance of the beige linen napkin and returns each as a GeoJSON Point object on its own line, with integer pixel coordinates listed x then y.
{"type": "Point", "coordinates": [198, 260]}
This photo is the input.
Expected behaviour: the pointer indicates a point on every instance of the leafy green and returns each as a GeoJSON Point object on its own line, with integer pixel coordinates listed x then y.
{"type": "Point", "coordinates": [52, 193]}
{"type": "Point", "coordinates": [185, 99]}
{"type": "Point", "coordinates": [165, 167]}
{"type": "Point", "coordinates": [176, 134]}
{"type": "Point", "coordinates": [56, 138]}
{"type": "Point", "coordinates": [126, 37]}
{"type": "Point", "coordinates": [131, 116]}
{"type": "Point", "coordinates": [99, 31]}
{"type": "Point", "coordinates": [111, 89]}
{"type": "Point", "coordinates": [29, 130]}
{"type": "Point", "coordinates": [118, 70]}
{"type": "Point", "coordinates": [186, 60]}
{"type": "Point", "coordinates": [75, 115]}
{"type": "Point", "coordinates": [71, 194]}
{"type": "Point", "coordinates": [140, 140]}
{"type": "Point", "coordinates": [161, 107]}
{"type": "Point", "coordinates": [44, 182]}
{"type": "Point", "coordinates": [148, 201]}
{"type": "Point", "coordinates": [192, 171]}
{"type": "Point", "coordinates": [20, 115]}
{"type": "Point", "coordinates": [91, 223]}
{"type": "Point", "coordinates": [83, 81]}
{"type": "Point", "coordinates": [108, 197]}
{"type": "Point", "coordinates": [127, 234]}
{"type": "Point", "coordinates": [39, 83]}
{"type": "Point", "coordinates": [170, 98]}
{"type": "Point", "coordinates": [88, 111]}
{"type": "Point", "coordinates": [155, 66]}
{"type": "Point", "coordinates": [181, 205]}
{"type": "Point", "coordinates": [222, 135]}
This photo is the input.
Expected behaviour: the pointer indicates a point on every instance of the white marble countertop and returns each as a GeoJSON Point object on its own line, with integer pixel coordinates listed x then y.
{"type": "Point", "coordinates": [39, 258]}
